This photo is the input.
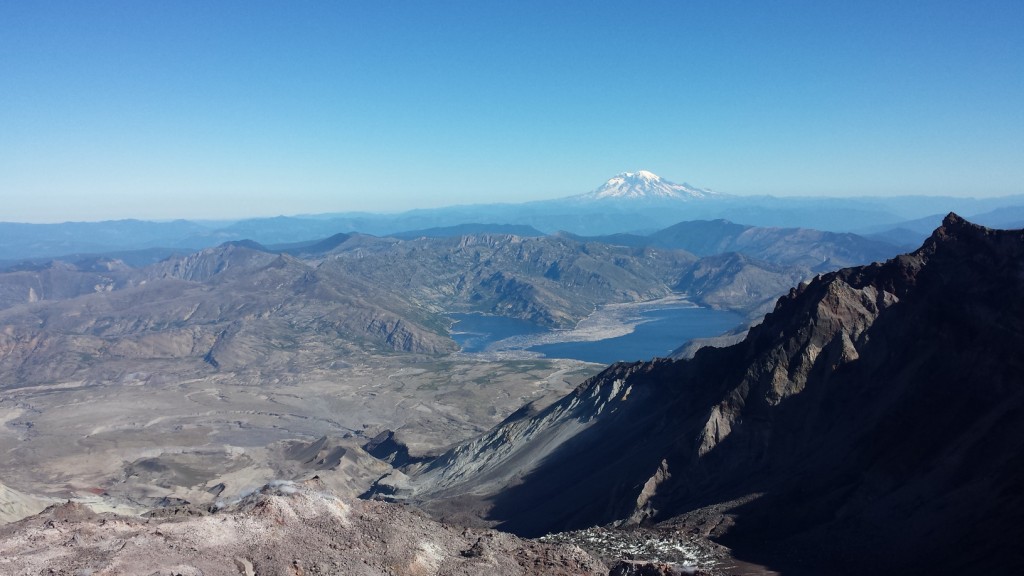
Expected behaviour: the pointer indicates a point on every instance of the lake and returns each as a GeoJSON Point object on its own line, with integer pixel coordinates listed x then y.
{"type": "Point", "coordinates": [657, 330]}
{"type": "Point", "coordinates": [476, 332]}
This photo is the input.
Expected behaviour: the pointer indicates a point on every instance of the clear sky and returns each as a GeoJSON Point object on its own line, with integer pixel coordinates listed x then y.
{"type": "Point", "coordinates": [155, 109]}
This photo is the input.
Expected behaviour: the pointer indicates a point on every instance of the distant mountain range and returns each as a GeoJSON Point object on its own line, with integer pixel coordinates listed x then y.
{"type": "Point", "coordinates": [245, 304]}
{"type": "Point", "coordinates": [813, 249]}
{"type": "Point", "coordinates": [630, 202]}
{"type": "Point", "coordinates": [470, 229]}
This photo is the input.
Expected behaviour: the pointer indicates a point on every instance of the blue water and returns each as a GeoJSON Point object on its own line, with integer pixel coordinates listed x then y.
{"type": "Point", "coordinates": [665, 330]}
{"type": "Point", "coordinates": [475, 332]}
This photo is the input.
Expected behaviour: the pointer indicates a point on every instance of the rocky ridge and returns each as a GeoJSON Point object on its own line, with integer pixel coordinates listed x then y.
{"type": "Point", "coordinates": [874, 413]}
{"type": "Point", "coordinates": [284, 528]}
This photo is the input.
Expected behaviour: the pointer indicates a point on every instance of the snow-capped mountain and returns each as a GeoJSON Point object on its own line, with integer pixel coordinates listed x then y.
{"type": "Point", "coordinates": [644, 185]}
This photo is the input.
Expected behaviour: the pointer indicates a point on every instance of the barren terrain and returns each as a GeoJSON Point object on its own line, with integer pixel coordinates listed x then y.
{"type": "Point", "coordinates": [183, 387]}
{"type": "Point", "coordinates": [142, 439]}
{"type": "Point", "coordinates": [286, 529]}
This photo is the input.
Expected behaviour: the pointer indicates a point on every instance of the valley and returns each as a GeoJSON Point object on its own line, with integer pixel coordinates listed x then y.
{"type": "Point", "coordinates": [148, 437]}
{"type": "Point", "coordinates": [198, 378]}
{"type": "Point", "coordinates": [468, 376]}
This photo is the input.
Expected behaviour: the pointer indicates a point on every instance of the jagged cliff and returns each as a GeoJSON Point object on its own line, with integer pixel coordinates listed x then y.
{"type": "Point", "coordinates": [873, 421]}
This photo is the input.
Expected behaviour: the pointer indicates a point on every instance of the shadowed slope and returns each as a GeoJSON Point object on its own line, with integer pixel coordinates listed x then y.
{"type": "Point", "coordinates": [878, 410]}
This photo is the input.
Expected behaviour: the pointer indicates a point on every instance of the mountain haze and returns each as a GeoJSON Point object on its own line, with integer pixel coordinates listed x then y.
{"type": "Point", "coordinates": [628, 202]}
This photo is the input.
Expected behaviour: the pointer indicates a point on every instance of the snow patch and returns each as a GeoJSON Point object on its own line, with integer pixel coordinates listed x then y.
{"type": "Point", "coordinates": [644, 184]}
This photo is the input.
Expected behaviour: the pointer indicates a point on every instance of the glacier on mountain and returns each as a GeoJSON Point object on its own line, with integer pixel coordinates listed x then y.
{"type": "Point", "coordinates": [643, 184]}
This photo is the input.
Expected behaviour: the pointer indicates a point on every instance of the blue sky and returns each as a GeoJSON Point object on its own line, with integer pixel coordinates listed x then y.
{"type": "Point", "coordinates": [234, 109]}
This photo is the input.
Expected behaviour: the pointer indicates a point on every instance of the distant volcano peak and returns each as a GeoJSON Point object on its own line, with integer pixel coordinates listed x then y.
{"type": "Point", "coordinates": [644, 184]}
{"type": "Point", "coordinates": [643, 175]}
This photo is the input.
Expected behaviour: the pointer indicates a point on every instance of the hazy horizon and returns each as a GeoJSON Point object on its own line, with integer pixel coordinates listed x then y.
{"type": "Point", "coordinates": [201, 219]}
{"type": "Point", "coordinates": [201, 111]}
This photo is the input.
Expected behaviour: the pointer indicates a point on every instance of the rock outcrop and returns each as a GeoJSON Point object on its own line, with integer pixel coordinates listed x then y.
{"type": "Point", "coordinates": [285, 528]}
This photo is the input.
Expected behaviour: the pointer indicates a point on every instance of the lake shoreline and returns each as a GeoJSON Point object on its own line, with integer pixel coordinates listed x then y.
{"type": "Point", "coordinates": [494, 337]}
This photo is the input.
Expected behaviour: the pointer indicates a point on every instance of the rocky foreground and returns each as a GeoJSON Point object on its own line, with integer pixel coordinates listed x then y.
{"type": "Point", "coordinates": [283, 529]}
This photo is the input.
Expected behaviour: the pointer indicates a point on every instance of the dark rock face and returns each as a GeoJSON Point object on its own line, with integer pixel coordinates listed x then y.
{"type": "Point", "coordinates": [878, 412]}
{"type": "Point", "coordinates": [386, 447]}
